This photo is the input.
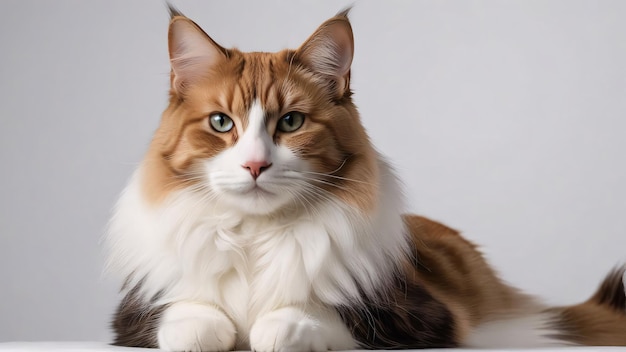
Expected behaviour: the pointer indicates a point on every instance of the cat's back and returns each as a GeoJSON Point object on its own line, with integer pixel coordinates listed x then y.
{"type": "Point", "coordinates": [455, 271]}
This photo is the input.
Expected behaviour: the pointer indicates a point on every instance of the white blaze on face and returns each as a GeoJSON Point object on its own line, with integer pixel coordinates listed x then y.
{"type": "Point", "coordinates": [255, 145]}
{"type": "Point", "coordinates": [241, 176]}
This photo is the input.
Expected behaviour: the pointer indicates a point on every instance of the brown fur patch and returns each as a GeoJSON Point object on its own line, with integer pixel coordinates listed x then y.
{"type": "Point", "coordinates": [456, 272]}
{"type": "Point", "coordinates": [446, 288]}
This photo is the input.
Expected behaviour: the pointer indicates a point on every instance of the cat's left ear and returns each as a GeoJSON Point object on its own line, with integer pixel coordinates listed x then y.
{"type": "Point", "coordinates": [329, 52]}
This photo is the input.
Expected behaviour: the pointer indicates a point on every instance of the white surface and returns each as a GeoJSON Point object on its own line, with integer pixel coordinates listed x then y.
{"type": "Point", "coordinates": [504, 118]}
{"type": "Point", "coordinates": [102, 347]}
{"type": "Point", "coordinates": [64, 346]}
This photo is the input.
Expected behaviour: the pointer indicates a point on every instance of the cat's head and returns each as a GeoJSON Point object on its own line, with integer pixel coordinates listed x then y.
{"type": "Point", "coordinates": [259, 132]}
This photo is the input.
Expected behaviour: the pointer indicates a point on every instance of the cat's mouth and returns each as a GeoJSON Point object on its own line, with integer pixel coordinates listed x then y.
{"type": "Point", "coordinates": [257, 199]}
{"type": "Point", "coordinates": [256, 190]}
{"type": "Point", "coordinates": [259, 191]}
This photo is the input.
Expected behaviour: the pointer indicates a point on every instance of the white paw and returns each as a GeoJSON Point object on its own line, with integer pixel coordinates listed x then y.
{"type": "Point", "coordinates": [195, 327]}
{"type": "Point", "coordinates": [289, 329]}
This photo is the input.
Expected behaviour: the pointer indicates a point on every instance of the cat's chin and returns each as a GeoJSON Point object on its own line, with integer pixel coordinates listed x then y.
{"type": "Point", "coordinates": [256, 201]}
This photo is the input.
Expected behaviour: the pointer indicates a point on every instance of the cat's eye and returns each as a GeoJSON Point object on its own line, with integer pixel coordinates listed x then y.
{"type": "Point", "coordinates": [291, 121]}
{"type": "Point", "coordinates": [221, 122]}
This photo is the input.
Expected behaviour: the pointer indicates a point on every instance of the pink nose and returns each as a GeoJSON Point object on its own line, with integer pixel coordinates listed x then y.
{"type": "Point", "coordinates": [256, 167]}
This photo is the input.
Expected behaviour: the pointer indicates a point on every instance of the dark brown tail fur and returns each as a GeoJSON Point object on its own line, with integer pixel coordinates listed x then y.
{"type": "Point", "coordinates": [601, 320]}
{"type": "Point", "coordinates": [611, 292]}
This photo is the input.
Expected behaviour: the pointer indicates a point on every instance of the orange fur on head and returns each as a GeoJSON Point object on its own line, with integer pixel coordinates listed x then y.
{"type": "Point", "coordinates": [290, 80]}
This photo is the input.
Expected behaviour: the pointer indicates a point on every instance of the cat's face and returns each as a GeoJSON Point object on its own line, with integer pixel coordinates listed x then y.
{"type": "Point", "coordinates": [262, 135]}
{"type": "Point", "coordinates": [258, 132]}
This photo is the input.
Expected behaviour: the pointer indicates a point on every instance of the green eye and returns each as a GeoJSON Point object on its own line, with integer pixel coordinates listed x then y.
{"type": "Point", "coordinates": [221, 122]}
{"type": "Point", "coordinates": [291, 121]}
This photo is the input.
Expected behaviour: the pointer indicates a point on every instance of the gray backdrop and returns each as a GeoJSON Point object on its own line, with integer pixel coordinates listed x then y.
{"type": "Point", "coordinates": [506, 119]}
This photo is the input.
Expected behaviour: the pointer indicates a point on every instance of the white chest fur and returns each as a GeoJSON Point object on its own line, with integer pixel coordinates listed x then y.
{"type": "Point", "coordinates": [190, 249]}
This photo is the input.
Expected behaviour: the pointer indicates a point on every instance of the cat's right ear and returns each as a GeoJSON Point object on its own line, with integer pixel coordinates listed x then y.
{"type": "Point", "coordinates": [193, 53]}
{"type": "Point", "coordinates": [328, 52]}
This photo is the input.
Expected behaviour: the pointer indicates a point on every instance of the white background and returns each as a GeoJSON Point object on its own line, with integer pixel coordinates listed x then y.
{"type": "Point", "coordinates": [505, 119]}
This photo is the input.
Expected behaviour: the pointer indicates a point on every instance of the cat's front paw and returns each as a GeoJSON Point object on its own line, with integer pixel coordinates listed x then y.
{"type": "Point", "coordinates": [194, 327]}
{"type": "Point", "coordinates": [288, 329]}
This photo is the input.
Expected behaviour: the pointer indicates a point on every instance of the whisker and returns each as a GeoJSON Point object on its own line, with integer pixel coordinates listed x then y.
{"type": "Point", "coordinates": [302, 177]}
{"type": "Point", "coordinates": [337, 177]}
{"type": "Point", "coordinates": [318, 192]}
{"type": "Point", "coordinates": [341, 166]}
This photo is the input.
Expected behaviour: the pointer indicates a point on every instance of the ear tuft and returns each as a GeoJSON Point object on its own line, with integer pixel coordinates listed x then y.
{"type": "Point", "coordinates": [345, 12]}
{"type": "Point", "coordinates": [173, 10]}
{"type": "Point", "coordinates": [193, 54]}
{"type": "Point", "coordinates": [329, 51]}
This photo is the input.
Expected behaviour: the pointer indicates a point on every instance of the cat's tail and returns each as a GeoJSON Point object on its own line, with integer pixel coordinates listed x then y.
{"type": "Point", "coordinates": [599, 321]}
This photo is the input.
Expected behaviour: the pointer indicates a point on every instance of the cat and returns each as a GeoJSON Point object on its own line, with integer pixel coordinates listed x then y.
{"type": "Point", "coordinates": [263, 218]}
